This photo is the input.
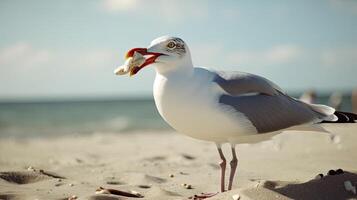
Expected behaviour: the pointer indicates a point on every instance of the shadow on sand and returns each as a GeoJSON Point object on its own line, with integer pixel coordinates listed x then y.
{"type": "Point", "coordinates": [329, 187]}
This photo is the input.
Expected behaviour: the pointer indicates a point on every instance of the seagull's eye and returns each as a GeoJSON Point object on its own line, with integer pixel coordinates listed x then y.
{"type": "Point", "coordinates": [171, 45]}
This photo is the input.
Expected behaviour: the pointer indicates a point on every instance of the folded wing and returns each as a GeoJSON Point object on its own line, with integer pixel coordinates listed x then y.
{"type": "Point", "coordinates": [265, 104]}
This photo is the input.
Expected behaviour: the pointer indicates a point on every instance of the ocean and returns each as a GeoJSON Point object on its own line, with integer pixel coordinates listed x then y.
{"type": "Point", "coordinates": [37, 119]}
{"type": "Point", "coordinates": [79, 117]}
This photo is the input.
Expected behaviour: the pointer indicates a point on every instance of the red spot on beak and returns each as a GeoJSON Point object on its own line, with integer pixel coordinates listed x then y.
{"type": "Point", "coordinates": [131, 52]}
{"type": "Point", "coordinates": [152, 56]}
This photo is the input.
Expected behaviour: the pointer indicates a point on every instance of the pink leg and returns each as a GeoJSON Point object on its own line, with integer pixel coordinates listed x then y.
{"type": "Point", "coordinates": [223, 173]}
{"type": "Point", "coordinates": [223, 166]}
{"type": "Point", "coordinates": [234, 163]}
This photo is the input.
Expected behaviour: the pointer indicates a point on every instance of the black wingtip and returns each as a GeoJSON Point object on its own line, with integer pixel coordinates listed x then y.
{"type": "Point", "coordinates": [344, 117]}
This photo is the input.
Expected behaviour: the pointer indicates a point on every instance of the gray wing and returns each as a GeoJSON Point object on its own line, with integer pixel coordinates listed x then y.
{"type": "Point", "coordinates": [236, 83]}
{"type": "Point", "coordinates": [269, 109]}
{"type": "Point", "coordinates": [271, 113]}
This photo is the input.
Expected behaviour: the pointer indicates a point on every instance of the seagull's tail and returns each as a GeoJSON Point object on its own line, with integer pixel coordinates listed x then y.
{"type": "Point", "coordinates": [324, 113]}
{"type": "Point", "coordinates": [327, 114]}
{"type": "Point", "coordinates": [330, 115]}
{"type": "Point", "coordinates": [343, 117]}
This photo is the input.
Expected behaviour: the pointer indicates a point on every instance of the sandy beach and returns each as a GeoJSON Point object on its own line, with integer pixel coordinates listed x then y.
{"type": "Point", "coordinates": [156, 165]}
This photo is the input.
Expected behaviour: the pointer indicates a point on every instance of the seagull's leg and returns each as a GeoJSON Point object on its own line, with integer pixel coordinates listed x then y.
{"type": "Point", "coordinates": [223, 166]}
{"type": "Point", "coordinates": [223, 172]}
{"type": "Point", "coordinates": [234, 163]}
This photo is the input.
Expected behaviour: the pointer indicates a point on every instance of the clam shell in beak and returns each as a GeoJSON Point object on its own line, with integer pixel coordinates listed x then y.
{"type": "Point", "coordinates": [130, 63]}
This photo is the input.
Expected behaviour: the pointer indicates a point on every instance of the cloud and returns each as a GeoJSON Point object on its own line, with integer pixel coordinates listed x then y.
{"type": "Point", "coordinates": [26, 70]}
{"type": "Point", "coordinates": [23, 55]}
{"type": "Point", "coordinates": [119, 5]}
{"type": "Point", "coordinates": [178, 11]}
{"type": "Point", "coordinates": [283, 54]}
{"type": "Point", "coordinates": [23, 58]}
{"type": "Point", "coordinates": [276, 55]}
{"type": "Point", "coordinates": [169, 11]}
{"type": "Point", "coordinates": [340, 57]}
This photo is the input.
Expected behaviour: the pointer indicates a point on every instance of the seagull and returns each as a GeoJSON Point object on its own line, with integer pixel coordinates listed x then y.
{"type": "Point", "coordinates": [219, 106]}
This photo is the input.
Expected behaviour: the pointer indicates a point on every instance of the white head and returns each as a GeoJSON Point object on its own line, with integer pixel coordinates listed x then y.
{"type": "Point", "coordinates": [165, 53]}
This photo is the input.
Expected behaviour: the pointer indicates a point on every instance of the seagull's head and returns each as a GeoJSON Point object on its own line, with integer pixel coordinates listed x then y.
{"type": "Point", "coordinates": [165, 53]}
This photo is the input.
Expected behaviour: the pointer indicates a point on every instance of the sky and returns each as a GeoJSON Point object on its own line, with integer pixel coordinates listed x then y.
{"type": "Point", "coordinates": [65, 49]}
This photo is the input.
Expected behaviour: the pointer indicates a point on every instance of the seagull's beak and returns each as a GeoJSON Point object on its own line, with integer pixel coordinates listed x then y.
{"type": "Point", "coordinates": [150, 58]}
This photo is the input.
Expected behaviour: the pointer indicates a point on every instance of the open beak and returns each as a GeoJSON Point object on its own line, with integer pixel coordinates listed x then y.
{"type": "Point", "coordinates": [150, 58]}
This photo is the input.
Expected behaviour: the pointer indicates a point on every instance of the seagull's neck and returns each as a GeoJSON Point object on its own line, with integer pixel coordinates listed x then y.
{"type": "Point", "coordinates": [181, 69]}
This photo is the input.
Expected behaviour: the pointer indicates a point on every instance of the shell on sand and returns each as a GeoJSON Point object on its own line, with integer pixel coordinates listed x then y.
{"type": "Point", "coordinates": [131, 193]}
{"type": "Point", "coordinates": [72, 197]}
{"type": "Point", "coordinates": [236, 197]}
